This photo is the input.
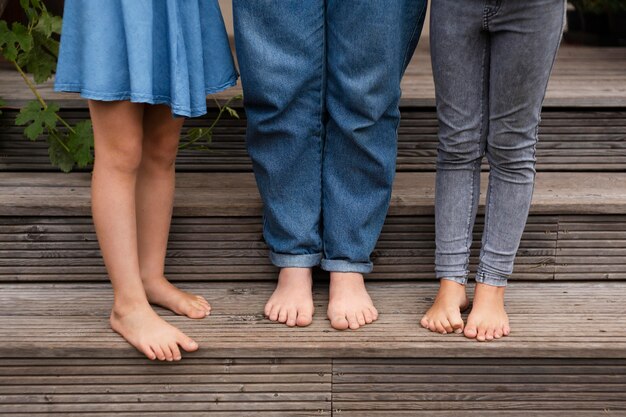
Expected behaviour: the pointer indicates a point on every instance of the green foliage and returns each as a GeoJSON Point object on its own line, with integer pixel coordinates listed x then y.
{"type": "Point", "coordinates": [200, 138]}
{"type": "Point", "coordinates": [2, 104]}
{"type": "Point", "coordinates": [34, 49]}
{"type": "Point", "coordinates": [600, 6]}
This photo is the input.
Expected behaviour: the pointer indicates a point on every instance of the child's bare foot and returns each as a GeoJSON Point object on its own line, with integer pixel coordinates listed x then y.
{"type": "Point", "coordinates": [149, 333]}
{"type": "Point", "coordinates": [349, 305]}
{"type": "Point", "coordinates": [161, 292]}
{"type": "Point", "coordinates": [444, 316]}
{"type": "Point", "coordinates": [488, 319]}
{"type": "Point", "coordinates": [292, 300]}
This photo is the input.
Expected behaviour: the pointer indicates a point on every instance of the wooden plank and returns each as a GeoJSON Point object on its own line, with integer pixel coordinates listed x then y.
{"type": "Point", "coordinates": [70, 321]}
{"type": "Point", "coordinates": [214, 248]}
{"type": "Point", "coordinates": [235, 194]}
{"type": "Point", "coordinates": [582, 76]}
{"type": "Point", "coordinates": [574, 140]}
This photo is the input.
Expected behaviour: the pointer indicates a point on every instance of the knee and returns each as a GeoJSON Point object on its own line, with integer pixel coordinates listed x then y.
{"type": "Point", "coordinates": [513, 163]}
{"type": "Point", "coordinates": [124, 157]}
{"type": "Point", "coordinates": [160, 150]}
{"type": "Point", "coordinates": [459, 151]}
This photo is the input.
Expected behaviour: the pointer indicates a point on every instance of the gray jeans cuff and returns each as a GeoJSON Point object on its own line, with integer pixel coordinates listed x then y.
{"type": "Point", "coordinates": [490, 277]}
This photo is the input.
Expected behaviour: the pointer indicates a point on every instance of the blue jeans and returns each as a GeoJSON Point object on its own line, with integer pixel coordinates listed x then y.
{"type": "Point", "coordinates": [321, 81]}
{"type": "Point", "coordinates": [491, 61]}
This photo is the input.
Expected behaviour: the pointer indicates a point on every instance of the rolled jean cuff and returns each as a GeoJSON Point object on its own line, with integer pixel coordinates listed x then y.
{"type": "Point", "coordinates": [489, 277]}
{"type": "Point", "coordinates": [283, 260]}
{"type": "Point", "coordinates": [459, 279]}
{"type": "Point", "coordinates": [333, 265]}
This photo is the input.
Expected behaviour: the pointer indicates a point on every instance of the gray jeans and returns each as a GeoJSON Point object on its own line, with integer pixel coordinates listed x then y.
{"type": "Point", "coordinates": [491, 62]}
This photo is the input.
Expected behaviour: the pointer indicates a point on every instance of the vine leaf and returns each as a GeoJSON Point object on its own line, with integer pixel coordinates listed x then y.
{"type": "Point", "coordinates": [2, 104]}
{"type": "Point", "coordinates": [80, 143]}
{"type": "Point", "coordinates": [15, 39]}
{"type": "Point", "coordinates": [59, 156]}
{"type": "Point", "coordinates": [48, 24]}
{"type": "Point", "coordinates": [232, 112]}
{"type": "Point", "coordinates": [37, 118]}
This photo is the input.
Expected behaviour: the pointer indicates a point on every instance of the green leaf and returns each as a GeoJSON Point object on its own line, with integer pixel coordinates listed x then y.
{"type": "Point", "coordinates": [232, 112]}
{"type": "Point", "coordinates": [48, 24]}
{"type": "Point", "coordinates": [41, 59]}
{"type": "Point", "coordinates": [14, 40]}
{"type": "Point", "coordinates": [37, 118]}
{"type": "Point", "coordinates": [59, 156]}
{"type": "Point", "coordinates": [80, 143]}
{"type": "Point", "coordinates": [2, 104]}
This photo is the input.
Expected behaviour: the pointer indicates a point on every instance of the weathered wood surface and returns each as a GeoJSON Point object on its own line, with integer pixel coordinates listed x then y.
{"type": "Point", "coordinates": [479, 387]}
{"type": "Point", "coordinates": [583, 76]}
{"type": "Point", "coordinates": [549, 320]}
{"type": "Point", "coordinates": [122, 386]}
{"type": "Point", "coordinates": [215, 248]}
{"type": "Point", "coordinates": [235, 194]}
{"type": "Point", "coordinates": [573, 140]}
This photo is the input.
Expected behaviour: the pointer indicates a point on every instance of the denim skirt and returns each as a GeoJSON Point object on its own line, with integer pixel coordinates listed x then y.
{"type": "Point", "coordinates": [169, 52]}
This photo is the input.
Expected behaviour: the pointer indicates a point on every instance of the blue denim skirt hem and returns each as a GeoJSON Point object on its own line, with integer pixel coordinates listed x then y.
{"type": "Point", "coordinates": [158, 52]}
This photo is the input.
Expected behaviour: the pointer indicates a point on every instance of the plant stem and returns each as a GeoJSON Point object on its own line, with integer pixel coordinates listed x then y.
{"type": "Point", "coordinates": [217, 119]}
{"type": "Point", "coordinates": [43, 103]}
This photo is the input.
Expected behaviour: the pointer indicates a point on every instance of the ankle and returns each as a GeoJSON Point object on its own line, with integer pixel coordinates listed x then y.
{"type": "Point", "coordinates": [346, 277]}
{"type": "Point", "coordinates": [123, 306]}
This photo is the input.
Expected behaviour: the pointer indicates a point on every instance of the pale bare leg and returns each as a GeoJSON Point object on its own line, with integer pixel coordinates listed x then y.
{"type": "Point", "coordinates": [118, 146]}
{"type": "Point", "coordinates": [444, 316]}
{"type": "Point", "coordinates": [292, 300]}
{"type": "Point", "coordinates": [154, 202]}
{"type": "Point", "coordinates": [349, 305]}
{"type": "Point", "coordinates": [488, 319]}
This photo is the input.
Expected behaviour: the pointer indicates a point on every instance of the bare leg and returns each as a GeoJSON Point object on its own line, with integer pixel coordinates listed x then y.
{"type": "Point", "coordinates": [292, 300]}
{"type": "Point", "coordinates": [444, 316]}
{"type": "Point", "coordinates": [349, 304]}
{"type": "Point", "coordinates": [118, 135]}
{"type": "Point", "coordinates": [154, 201]}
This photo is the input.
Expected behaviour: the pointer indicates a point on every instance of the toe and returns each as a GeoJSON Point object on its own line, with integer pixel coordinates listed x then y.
{"type": "Point", "coordinates": [353, 322]}
{"type": "Point", "coordinates": [431, 325]}
{"type": "Point", "coordinates": [304, 319]}
{"type": "Point", "coordinates": [360, 317]}
{"type": "Point", "coordinates": [186, 342]}
{"type": "Point", "coordinates": [424, 322]}
{"type": "Point", "coordinates": [339, 322]}
{"type": "Point", "coordinates": [447, 326]}
{"type": "Point", "coordinates": [146, 350]}
{"type": "Point", "coordinates": [274, 313]}
{"type": "Point", "coordinates": [167, 352]}
{"type": "Point", "coordinates": [374, 313]}
{"type": "Point", "coordinates": [480, 336]}
{"type": "Point", "coordinates": [506, 330]}
{"type": "Point", "coordinates": [175, 351]}
{"type": "Point", "coordinates": [292, 315]}
{"type": "Point", "coordinates": [159, 353]}
{"type": "Point", "coordinates": [489, 333]}
{"type": "Point", "coordinates": [267, 310]}
{"type": "Point", "coordinates": [439, 327]}
{"type": "Point", "coordinates": [497, 334]}
{"type": "Point", "coordinates": [368, 316]}
{"type": "Point", "coordinates": [470, 331]}
{"type": "Point", "coordinates": [457, 325]}
{"type": "Point", "coordinates": [282, 315]}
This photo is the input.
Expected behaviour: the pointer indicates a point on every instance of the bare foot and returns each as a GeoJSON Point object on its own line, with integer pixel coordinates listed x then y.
{"type": "Point", "coordinates": [149, 333]}
{"type": "Point", "coordinates": [349, 305]}
{"type": "Point", "coordinates": [292, 300]}
{"type": "Point", "coordinates": [161, 292]}
{"type": "Point", "coordinates": [488, 319]}
{"type": "Point", "coordinates": [444, 316]}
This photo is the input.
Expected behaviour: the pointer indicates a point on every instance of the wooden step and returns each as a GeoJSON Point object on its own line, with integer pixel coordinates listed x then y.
{"type": "Point", "coordinates": [570, 140]}
{"type": "Point", "coordinates": [577, 229]}
{"type": "Point", "coordinates": [566, 355]}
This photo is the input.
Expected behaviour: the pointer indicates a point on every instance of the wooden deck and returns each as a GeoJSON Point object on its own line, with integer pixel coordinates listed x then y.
{"type": "Point", "coordinates": [567, 299]}
{"type": "Point", "coordinates": [582, 77]}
